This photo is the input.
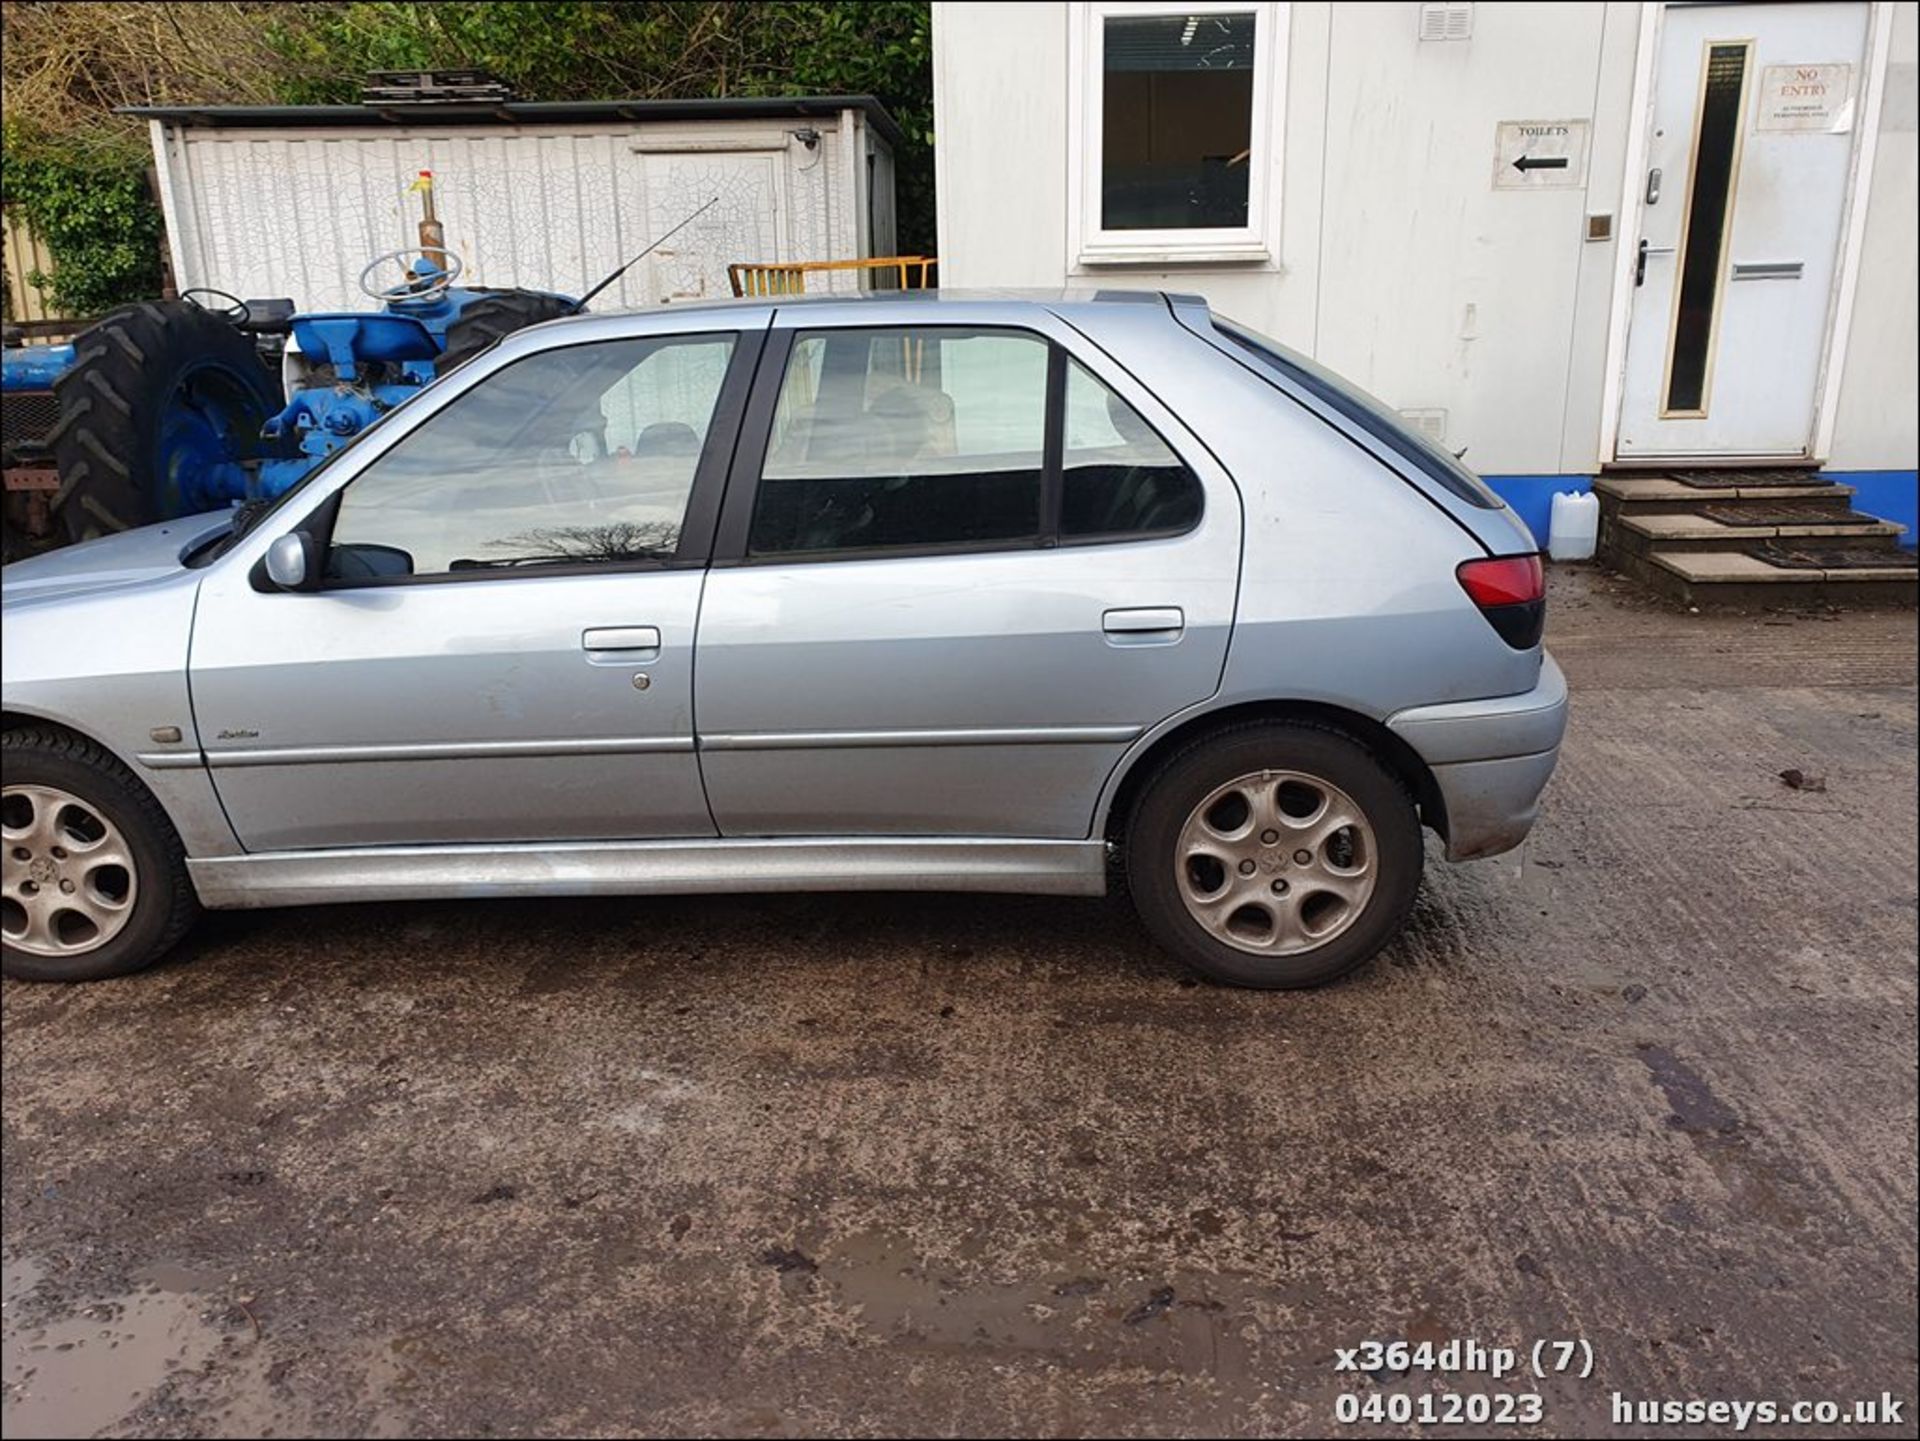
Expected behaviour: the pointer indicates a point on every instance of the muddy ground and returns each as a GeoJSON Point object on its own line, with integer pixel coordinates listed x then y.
{"type": "Point", "coordinates": [975, 1164]}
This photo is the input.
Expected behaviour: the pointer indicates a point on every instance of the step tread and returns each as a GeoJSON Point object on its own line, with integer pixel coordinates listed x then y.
{"type": "Point", "coordinates": [1695, 527]}
{"type": "Point", "coordinates": [1709, 567]}
{"type": "Point", "coordinates": [1627, 488]}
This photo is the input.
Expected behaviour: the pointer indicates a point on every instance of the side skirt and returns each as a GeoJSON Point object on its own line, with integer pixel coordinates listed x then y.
{"type": "Point", "coordinates": [630, 868]}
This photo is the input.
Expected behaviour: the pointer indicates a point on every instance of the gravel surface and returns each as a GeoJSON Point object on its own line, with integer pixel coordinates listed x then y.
{"type": "Point", "coordinates": [937, 1164]}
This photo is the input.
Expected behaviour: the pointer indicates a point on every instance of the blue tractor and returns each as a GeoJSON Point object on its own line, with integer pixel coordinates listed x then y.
{"type": "Point", "coordinates": [172, 408]}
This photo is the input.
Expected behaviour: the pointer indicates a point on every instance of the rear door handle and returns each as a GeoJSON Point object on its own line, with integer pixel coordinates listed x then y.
{"type": "Point", "coordinates": [621, 640]}
{"type": "Point", "coordinates": [1144, 625]}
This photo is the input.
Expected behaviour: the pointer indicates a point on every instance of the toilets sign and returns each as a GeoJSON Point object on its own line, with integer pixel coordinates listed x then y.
{"type": "Point", "coordinates": [1540, 154]}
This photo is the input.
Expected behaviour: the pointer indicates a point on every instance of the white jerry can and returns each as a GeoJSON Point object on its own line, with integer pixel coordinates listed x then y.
{"type": "Point", "coordinates": [1574, 529]}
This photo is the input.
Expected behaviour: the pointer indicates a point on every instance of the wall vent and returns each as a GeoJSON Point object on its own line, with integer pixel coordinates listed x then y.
{"type": "Point", "coordinates": [1446, 20]}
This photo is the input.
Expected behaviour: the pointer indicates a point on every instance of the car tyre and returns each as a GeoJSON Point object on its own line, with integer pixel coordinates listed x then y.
{"type": "Point", "coordinates": [1239, 864]}
{"type": "Point", "coordinates": [80, 832]}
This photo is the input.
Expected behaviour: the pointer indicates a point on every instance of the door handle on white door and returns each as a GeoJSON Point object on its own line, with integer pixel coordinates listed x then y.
{"type": "Point", "coordinates": [1640, 265]}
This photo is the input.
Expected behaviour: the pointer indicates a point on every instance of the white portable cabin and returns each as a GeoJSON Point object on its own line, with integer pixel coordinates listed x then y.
{"type": "Point", "coordinates": [1480, 212]}
{"type": "Point", "coordinates": [295, 200]}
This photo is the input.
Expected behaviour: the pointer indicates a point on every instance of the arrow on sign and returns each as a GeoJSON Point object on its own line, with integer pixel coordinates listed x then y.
{"type": "Point", "coordinates": [1544, 162]}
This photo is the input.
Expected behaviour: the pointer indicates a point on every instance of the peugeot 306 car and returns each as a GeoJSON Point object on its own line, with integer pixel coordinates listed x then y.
{"type": "Point", "coordinates": [929, 592]}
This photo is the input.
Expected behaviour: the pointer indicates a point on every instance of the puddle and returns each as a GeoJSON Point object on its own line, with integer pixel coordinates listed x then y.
{"type": "Point", "coordinates": [182, 1344]}
{"type": "Point", "coordinates": [78, 1374]}
{"type": "Point", "coordinates": [1062, 1312]}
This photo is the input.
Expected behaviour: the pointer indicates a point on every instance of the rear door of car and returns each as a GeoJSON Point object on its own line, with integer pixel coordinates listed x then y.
{"type": "Point", "coordinates": [963, 562]}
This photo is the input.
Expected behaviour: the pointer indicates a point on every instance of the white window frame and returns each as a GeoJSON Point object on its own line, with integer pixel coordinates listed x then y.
{"type": "Point", "coordinates": [1088, 243]}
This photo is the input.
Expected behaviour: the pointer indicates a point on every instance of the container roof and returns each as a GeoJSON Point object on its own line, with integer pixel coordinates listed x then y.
{"type": "Point", "coordinates": [522, 112]}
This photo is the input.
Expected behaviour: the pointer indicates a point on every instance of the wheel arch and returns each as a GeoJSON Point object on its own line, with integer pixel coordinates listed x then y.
{"type": "Point", "coordinates": [184, 794]}
{"type": "Point", "coordinates": [15, 717]}
{"type": "Point", "coordinates": [1124, 788]}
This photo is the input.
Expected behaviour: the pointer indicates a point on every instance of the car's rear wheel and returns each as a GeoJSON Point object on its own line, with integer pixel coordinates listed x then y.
{"type": "Point", "coordinates": [1274, 855]}
{"type": "Point", "coordinates": [93, 880]}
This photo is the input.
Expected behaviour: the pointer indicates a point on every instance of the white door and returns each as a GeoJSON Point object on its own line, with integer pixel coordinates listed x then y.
{"type": "Point", "coordinates": [1753, 127]}
{"type": "Point", "coordinates": [748, 224]}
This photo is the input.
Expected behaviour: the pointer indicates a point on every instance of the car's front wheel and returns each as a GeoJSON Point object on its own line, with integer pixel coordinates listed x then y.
{"type": "Point", "coordinates": [93, 880]}
{"type": "Point", "coordinates": [1274, 855]}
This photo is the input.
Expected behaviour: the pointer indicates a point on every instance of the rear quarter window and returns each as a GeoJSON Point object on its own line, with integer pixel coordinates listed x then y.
{"type": "Point", "coordinates": [1374, 416]}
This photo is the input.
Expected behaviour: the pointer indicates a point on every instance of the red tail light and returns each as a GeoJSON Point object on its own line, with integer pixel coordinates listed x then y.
{"type": "Point", "coordinates": [1511, 591]}
{"type": "Point", "coordinates": [1505, 580]}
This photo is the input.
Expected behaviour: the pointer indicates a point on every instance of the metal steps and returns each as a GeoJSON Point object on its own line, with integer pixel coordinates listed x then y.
{"type": "Point", "coordinates": [1751, 538]}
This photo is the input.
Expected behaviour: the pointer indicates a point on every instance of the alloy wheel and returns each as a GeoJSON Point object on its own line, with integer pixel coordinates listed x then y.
{"type": "Point", "coordinates": [67, 876]}
{"type": "Point", "coordinates": [1276, 862]}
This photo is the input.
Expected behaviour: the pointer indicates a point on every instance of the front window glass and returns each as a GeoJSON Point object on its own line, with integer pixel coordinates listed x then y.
{"type": "Point", "coordinates": [905, 437]}
{"type": "Point", "coordinates": [1177, 121]}
{"type": "Point", "coordinates": [579, 455]}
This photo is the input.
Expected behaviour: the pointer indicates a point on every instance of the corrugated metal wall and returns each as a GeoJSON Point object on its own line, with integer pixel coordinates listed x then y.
{"type": "Point", "coordinates": [300, 212]}
{"type": "Point", "coordinates": [26, 253]}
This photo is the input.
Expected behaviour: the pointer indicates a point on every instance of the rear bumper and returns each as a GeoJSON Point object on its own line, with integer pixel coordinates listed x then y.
{"type": "Point", "coordinates": [1491, 760]}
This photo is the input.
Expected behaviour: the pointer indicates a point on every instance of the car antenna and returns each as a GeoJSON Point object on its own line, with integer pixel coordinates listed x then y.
{"type": "Point", "coordinates": [581, 304]}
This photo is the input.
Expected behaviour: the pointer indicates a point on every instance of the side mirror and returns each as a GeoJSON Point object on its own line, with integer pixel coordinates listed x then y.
{"type": "Point", "coordinates": [293, 561]}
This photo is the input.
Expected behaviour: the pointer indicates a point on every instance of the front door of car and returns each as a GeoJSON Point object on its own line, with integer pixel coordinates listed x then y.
{"type": "Point", "coordinates": [959, 571]}
{"type": "Point", "coordinates": [502, 646]}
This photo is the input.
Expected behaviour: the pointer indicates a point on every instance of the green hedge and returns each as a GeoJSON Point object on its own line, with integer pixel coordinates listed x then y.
{"type": "Point", "coordinates": [93, 210]}
{"type": "Point", "coordinates": [86, 195]}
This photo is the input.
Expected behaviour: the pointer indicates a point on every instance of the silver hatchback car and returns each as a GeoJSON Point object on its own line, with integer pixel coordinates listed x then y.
{"type": "Point", "coordinates": [889, 593]}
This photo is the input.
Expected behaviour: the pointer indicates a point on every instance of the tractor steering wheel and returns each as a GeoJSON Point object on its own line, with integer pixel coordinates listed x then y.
{"type": "Point", "coordinates": [417, 286]}
{"type": "Point", "coordinates": [234, 312]}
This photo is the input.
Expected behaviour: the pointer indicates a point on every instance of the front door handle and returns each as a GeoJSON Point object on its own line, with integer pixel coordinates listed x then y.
{"type": "Point", "coordinates": [624, 639]}
{"type": "Point", "coordinates": [1144, 625]}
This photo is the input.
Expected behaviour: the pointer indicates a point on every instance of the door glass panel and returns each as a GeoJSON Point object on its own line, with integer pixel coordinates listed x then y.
{"type": "Point", "coordinates": [1176, 121]}
{"type": "Point", "coordinates": [1119, 477]}
{"type": "Point", "coordinates": [891, 438]}
{"type": "Point", "coordinates": [1709, 209]}
{"type": "Point", "coordinates": [570, 456]}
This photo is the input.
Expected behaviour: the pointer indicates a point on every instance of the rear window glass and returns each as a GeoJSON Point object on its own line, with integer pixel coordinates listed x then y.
{"type": "Point", "coordinates": [1373, 416]}
{"type": "Point", "coordinates": [910, 437]}
{"type": "Point", "coordinates": [1118, 477]}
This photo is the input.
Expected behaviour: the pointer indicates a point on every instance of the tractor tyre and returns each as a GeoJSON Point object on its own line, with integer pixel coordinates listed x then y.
{"type": "Point", "coordinates": [157, 392]}
{"type": "Point", "coordinates": [492, 316]}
